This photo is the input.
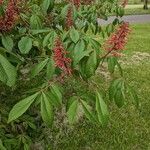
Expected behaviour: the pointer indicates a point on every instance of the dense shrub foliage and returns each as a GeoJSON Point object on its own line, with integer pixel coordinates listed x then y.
{"type": "Point", "coordinates": [50, 45]}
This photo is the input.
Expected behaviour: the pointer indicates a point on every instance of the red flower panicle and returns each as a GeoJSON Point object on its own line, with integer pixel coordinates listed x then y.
{"type": "Point", "coordinates": [118, 39]}
{"type": "Point", "coordinates": [69, 18]}
{"type": "Point", "coordinates": [124, 3]}
{"type": "Point", "coordinates": [77, 3]}
{"type": "Point", "coordinates": [1, 2]}
{"type": "Point", "coordinates": [8, 20]}
{"type": "Point", "coordinates": [60, 58]}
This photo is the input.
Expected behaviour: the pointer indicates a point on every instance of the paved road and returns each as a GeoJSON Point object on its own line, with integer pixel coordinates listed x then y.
{"type": "Point", "coordinates": [131, 19]}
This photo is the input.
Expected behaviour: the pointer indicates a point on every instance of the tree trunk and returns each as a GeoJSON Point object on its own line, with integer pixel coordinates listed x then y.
{"type": "Point", "coordinates": [145, 4]}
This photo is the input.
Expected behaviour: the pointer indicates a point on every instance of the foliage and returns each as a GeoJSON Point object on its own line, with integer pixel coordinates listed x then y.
{"type": "Point", "coordinates": [49, 39]}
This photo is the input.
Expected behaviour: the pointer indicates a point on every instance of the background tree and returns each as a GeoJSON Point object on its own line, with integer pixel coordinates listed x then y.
{"type": "Point", "coordinates": [145, 4]}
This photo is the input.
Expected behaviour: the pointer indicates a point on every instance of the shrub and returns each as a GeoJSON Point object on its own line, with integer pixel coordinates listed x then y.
{"type": "Point", "coordinates": [50, 45]}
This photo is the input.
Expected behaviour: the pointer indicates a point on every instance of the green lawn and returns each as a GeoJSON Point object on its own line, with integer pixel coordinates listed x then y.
{"type": "Point", "coordinates": [129, 128]}
{"type": "Point", "coordinates": [134, 1]}
{"type": "Point", "coordinates": [135, 7]}
{"type": "Point", "coordinates": [136, 10]}
{"type": "Point", "coordinates": [139, 39]}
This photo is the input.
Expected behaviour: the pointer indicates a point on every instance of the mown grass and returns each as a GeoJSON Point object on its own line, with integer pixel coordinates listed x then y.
{"type": "Point", "coordinates": [129, 128]}
{"type": "Point", "coordinates": [134, 1]}
{"type": "Point", "coordinates": [136, 10]}
{"type": "Point", "coordinates": [139, 39]}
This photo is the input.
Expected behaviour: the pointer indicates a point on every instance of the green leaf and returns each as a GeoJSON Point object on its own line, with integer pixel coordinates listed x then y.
{"type": "Point", "coordinates": [9, 70]}
{"type": "Point", "coordinates": [39, 31]}
{"type": "Point", "coordinates": [38, 98]}
{"type": "Point", "coordinates": [53, 99]}
{"type": "Point", "coordinates": [79, 48]}
{"type": "Point", "coordinates": [64, 11]}
{"type": "Point", "coordinates": [101, 109]}
{"type": "Point", "coordinates": [119, 68]}
{"type": "Point", "coordinates": [26, 146]}
{"type": "Point", "coordinates": [25, 45]}
{"type": "Point", "coordinates": [74, 35]}
{"type": "Point", "coordinates": [46, 110]}
{"type": "Point", "coordinates": [38, 68]}
{"type": "Point", "coordinates": [64, 36]}
{"type": "Point", "coordinates": [3, 76]}
{"type": "Point", "coordinates": [74, 12]}
{"type": "Point", "coordinates": [46, 39]}
{"type": "Point", "coordinates": [119, 98]}
{"type": "Point", "coordinates": [83, 54]}
{"type": "Point", "coordinates": [56, 93]}
{"type": "Point", "coordinates": [109, 29]}
{"type": "Point", "coordinates": [50, 70]}
{"type": "Point", "coordinates": [91, 64]}
{"type": "Point", "coordinates": [121, 11]}
{"type": "Point", "coordinates": [45, 5]}
{"type": "Point", "coordinates": [87, 111]}
{"type": "Point", "coordinates": [16, 57]}
{"type": "Point", "coordinates": [72, 111]}
{"type": "Point", "coordinates": [116, 92]}
{"type": "Point", "coordinates": [95, 44]}
{"type": "Point", "coordinates": [116, 21]}
{"type": "Point", "coordinates": [35, 22]}
{"type": "Point", "coordinates": [82, 68]}
{"type": "Point", "coordinates": [21, 107]}
{"type": "Point", "coordinates": [86, 27]}
{"type": "Point", "coordinates": [115, 85]}
{"type": "Point", "coordinates": [111, 64]}
{"type": "Point", "coordinates": [2, 146]}
{"type": "Point", "coordinates": [52, 40]}
{"type": "Point", "coordinates": [7, 42]}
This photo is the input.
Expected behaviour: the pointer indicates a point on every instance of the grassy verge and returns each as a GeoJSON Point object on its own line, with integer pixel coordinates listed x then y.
{"type": "Point", "coordinates": [134, 1]}
{"type": "Point", "coordinates": [136, 10]}
{"type": "Point", "coordinates": [139, 39]}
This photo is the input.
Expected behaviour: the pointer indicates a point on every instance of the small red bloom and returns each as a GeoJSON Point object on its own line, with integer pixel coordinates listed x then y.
{"type": "Point", "coordinates": [60, 58]}
{"type": "Point", "coordinates": [1, 2]}
{"type": "Point", "coordinates": [69, 18]}
{"type": "Point", "coordinates": [118, 39]}
{"type": "Point", "coordinates": [77, 3]}
{"type": "Point", "coordinates": [8, 20]}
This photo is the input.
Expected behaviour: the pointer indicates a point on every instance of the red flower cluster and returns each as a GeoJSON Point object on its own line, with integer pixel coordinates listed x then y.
{"type": "Point", "coordinates": [60, 58]}
{"type": "Point", "coordinates": [125, 2]}
{"type": "Point", "coordinates": [69, 18]}
{"type": "Point", "coordinates": [77, 3]}
{"type": "Point", "coordinates": [8, 20]}
{"type": "Point", "coordinates": [118, 39]}
{"type": "Point", "coordinates": [1, 2]}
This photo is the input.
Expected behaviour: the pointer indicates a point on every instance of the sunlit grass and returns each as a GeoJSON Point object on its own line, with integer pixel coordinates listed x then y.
{"type": "Point", "coordinates": [136, 10]}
